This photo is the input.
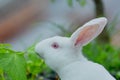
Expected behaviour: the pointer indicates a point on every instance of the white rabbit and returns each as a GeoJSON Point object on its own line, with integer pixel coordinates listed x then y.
{"type": "Point", "coordinates": [64, 54]}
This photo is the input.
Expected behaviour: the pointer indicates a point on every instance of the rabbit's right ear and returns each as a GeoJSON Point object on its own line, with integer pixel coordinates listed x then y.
{"type": "Point", "coordinates": [88, 32]}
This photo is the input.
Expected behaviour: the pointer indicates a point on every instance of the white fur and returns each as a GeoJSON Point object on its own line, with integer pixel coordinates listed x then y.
{"type": "Point", "coordinates": [67, 60]}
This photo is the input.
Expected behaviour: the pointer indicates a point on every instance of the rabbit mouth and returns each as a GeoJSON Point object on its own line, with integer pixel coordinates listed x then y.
{"type": "Point", "coordinates": [39, 55]}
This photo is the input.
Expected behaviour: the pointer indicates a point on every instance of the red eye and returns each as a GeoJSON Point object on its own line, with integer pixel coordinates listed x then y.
{"type": "Point", "coordinates": [55, 45]}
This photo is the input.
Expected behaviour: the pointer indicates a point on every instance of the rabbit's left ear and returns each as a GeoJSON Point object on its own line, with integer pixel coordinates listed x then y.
{"type": "Point", "coordinates": [88, 32]}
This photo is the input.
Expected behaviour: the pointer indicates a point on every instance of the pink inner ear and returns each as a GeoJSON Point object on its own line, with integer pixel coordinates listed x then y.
{"type": "Point", "coordinates": [87, 34]}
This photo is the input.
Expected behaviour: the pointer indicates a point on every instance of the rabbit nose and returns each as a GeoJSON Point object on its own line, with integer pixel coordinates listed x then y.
{"type": "Point", "coordinates": [38, 50]}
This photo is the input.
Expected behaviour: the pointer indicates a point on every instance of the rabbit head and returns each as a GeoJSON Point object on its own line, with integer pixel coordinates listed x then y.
{"type": "Point", "coordinates": [59, 52]}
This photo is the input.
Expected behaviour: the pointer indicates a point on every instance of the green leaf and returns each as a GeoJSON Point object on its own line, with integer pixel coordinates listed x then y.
{"type": "Point", "coordinates": [70, 3]}
{"type": "Point", "coordinates": [13, 63]}
{"type": "Point", "coordinates": [82, 2]}
{"type": "Point", "coordinates": [52, 0]}
{"type": "Point", "coordinates": [5, 45]}
{"type": "Point", "coordinates": [35, 64]}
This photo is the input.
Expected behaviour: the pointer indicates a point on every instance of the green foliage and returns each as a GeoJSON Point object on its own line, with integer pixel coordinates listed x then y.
{"type": "Point", "coordinates": [19, 65]}
{"type": "Point", "coordinates": [70, 2]}
{"type": "Point", "coordinates": [52, 0]}
{"type": "Point", "coordinates": [35, 65]}
{"type": "Point", "coordinates": [13, 64]}
{"type": "Point", "coordinates": [5, 45]}
{"type": "Point", "coordinates": [82, 2]}
{"type": "Point", "coordinates": [106, 55]}
{"type": "Point", "coordinates": [33, 61]}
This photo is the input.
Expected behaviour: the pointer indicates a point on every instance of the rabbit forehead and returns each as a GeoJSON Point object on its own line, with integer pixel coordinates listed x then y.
{"type": "Point", "coordinates": [44, 45]}
{"type": "Point", "coordinates": [60, 40]}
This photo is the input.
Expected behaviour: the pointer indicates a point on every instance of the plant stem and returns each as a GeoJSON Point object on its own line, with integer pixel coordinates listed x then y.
{"type": "Point", "coordinates": [2, 76]}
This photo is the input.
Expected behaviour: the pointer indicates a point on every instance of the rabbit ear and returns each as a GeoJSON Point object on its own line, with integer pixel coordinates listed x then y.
{"type": "Point", "coordinates": [88, 32]}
